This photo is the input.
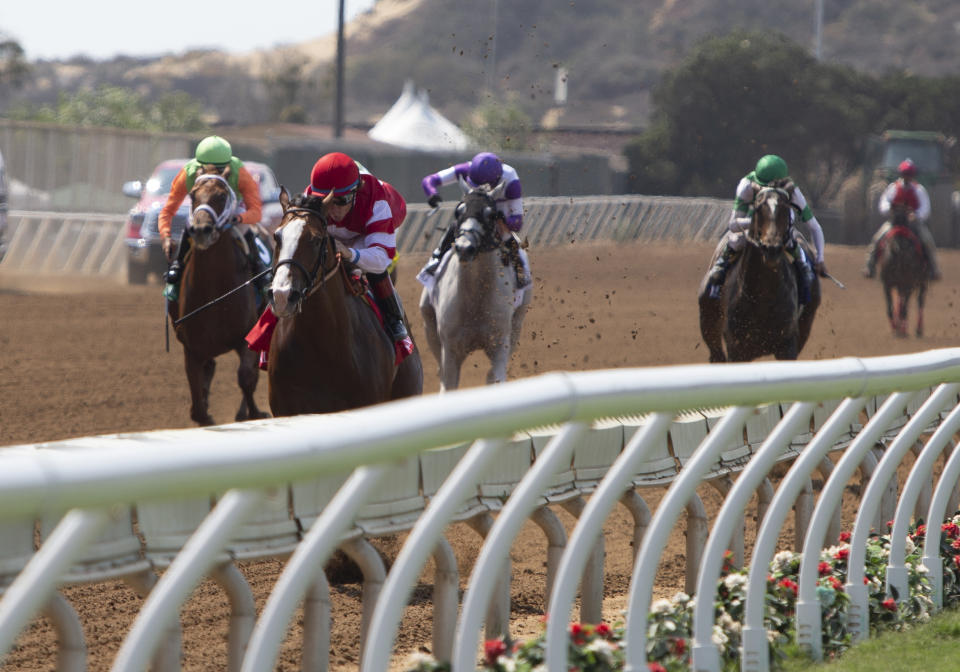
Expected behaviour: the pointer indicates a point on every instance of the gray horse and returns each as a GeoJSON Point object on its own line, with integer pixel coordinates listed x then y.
{"type": "Point", "coordinates": [474, 303]}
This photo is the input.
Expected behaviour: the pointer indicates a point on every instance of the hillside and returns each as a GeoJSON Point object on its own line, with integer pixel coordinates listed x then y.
{"type": "Point", "coordinates": [613, 52]}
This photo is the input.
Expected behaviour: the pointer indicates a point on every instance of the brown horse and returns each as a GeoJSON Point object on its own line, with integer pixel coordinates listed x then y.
{"type": "Point", "coordinates": [903, 269]}
{"type": "Point", "coordinates": [214, 266]}
{"type": "Point", "coordinates": [328, 351]}
{"type": "Point", "coordinates": [759, 311]}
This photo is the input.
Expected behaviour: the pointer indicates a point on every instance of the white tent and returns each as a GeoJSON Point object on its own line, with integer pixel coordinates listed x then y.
{"type": "Point", "coordinates": [411, 122]}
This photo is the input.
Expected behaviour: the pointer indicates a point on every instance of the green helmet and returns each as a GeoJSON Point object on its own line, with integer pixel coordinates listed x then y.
{"type": "Point", "coordinates": [214, 149]}
{"type": "Point", "coordinates": [771, 168]}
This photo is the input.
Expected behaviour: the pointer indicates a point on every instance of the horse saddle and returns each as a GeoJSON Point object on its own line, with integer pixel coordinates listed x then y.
{"type": "Point", "coordinates": [901, 231]}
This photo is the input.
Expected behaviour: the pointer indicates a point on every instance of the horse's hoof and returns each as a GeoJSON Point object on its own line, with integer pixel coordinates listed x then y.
{"type": "Point", "coordinates": [204, 421]}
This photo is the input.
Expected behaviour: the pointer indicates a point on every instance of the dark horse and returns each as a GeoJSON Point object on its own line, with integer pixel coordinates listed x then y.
{"type": "Point", "coordinates": [215, 265]}
{"type": "Point", "coordinates": [903, 268]}
{"type": "Point", "coordinates": [474, 303]}
{"type": "Point", "coordinates": [758, 312]}
{"type": "Point", "coordinates": [328, 351]}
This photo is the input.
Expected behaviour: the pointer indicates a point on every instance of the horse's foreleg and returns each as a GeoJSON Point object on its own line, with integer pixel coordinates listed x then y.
{"type": "Point", "coordinates": [499, 360]}
{"type": "Point", "coordinates": [199, 375]}
{"type": "Point", "coordinates": [921, 298]}
{"type": "Point", "coordinates": [429, 315]}
{"type": "Point", "coordinates": [711, 326]}
{"type": "Point", "coordinates": [248, 373]}
{"type": "Point", "coordinates": [449, 369]}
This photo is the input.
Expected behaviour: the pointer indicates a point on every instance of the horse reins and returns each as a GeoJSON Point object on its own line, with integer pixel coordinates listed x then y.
{"type": "Point", "coordinates": [780, 192]}
{"type": "Point", "coordinates": [311, 276]}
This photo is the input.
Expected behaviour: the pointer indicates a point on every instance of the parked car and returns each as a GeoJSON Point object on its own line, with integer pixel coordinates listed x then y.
{"type": "Point", "coordinates": [145, 255]}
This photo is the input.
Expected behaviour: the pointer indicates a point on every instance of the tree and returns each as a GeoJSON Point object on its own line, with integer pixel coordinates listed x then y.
{"type": "Point", "coordinates": [13, 66]}
{"type": "Point", "coordinates": [738, 97]}
{"type": "Point", "coordinates": [119, 107]}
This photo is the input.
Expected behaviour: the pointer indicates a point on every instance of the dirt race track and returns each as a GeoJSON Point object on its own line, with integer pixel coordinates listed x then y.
{"type": "Point", "coordinates": [81, 359]}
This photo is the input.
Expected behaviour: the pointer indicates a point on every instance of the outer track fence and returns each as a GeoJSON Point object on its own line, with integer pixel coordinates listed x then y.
{"type": "Point", "coordinates": [512, 450]}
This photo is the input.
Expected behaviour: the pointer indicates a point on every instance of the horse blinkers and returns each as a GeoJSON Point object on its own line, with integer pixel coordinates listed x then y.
{"type": "Point", "coordinates": [475, 231]}
{"type": "Point", "coordinates": [770, 232]}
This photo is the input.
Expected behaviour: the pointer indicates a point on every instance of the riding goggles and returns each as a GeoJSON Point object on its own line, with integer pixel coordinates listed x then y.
{"type": "Point", "coordinates": [347, 199]}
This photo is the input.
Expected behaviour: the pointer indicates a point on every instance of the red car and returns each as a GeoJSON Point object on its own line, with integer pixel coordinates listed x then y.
{"type": "Point", "coordinates": [145, 255]}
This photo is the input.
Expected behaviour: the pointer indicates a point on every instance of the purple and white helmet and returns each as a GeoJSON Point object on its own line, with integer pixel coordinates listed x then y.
{"type": "Point", "coordinates": [485, 168]}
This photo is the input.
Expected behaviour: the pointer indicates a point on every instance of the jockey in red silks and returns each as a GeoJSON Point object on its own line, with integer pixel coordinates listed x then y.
{"type": "Point", "coordinates": [362, 219]}
{"type": "Point", "coordinates": [484, 169]}
{"type": "Point", "coordinates": [910, 194]}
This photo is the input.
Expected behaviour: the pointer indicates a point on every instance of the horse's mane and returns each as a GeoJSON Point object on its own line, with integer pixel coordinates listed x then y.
{"type": "Point", "coordinates": [310, 202]}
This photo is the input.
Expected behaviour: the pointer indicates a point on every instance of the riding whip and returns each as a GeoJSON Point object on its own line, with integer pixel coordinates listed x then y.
{"type": "Point", "coordinates": [166, 322]}
{"type": "Point", "coordinates": [837, 282]}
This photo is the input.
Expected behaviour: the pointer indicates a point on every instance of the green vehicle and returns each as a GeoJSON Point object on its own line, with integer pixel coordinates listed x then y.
{"type": "Point", "coordinates": [934, 155]}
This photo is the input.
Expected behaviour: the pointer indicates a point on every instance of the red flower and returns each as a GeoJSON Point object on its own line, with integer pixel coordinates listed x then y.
{"type": "Point", "coordinates": [921, 531]}
{"type": "Point", "coordinates": [679, 646]}
{"type": "Point", "coordinates": [952, 530]}
{"type": "Point", "coordinates": [956, 560]}
{"type": "Point", "coordinates": [835, 583]}
{"type": "Point", "coordinates": [842, 554]}
{"type": "Point", "coordinates": [866, 581]}
{"type": "Point", "coordinates": [824, 568]}
{"type": "Point", "coordinates": [889, 524]}
{"type": "Point", "coordinates": [845, 537]}
{"type": "Point", "coordinates": [787, 584]}
{"type": "Point", "coordinates": [656, 667]}
{"type": "Point", "coordinates": [603, 630]}
{"type": "Point", "coordinates": [578, 633]}
{"type": "Point", "coordinates": [493, 649]}
{"type": "Point", "coordinates": [890, 604]}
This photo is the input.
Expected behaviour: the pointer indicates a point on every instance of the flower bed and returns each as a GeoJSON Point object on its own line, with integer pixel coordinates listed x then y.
{"type": "Point", "coordinates": [599, 648]}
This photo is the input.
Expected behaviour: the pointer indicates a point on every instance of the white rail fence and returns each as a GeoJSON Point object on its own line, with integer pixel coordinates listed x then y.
{"type": "Point", "coordinates": [514, 451]}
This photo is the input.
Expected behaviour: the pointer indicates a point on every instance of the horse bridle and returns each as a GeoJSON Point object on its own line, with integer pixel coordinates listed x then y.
{"type": "Point", "coordinates": [748, 233]}
{"type": "Point", "coordinates": [221, 220]}
{"type": "Point", "coordinates": [487, 237]}
{"type": "Point", "coordinates": [310, 277]}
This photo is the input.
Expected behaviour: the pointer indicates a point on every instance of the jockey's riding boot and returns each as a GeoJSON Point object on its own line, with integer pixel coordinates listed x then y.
{"type": "Point", "coordinates": [933, 271]}
{"type": "Point", "coordinates": [434, 262]}
{"type": "Point", "coordinates": [513, 253]}
{"type": "Point", "coordinates": [389, 304]}
{"type": "Point", "coordinates": [870, 268]}
{"type": "Point", "coordinates": [718, 274]}
{"type": "Point", "coordinates": [171, 278]}
{"type": "Point", "coordinates": [256, 263]}
{"type": "Point", "coordinates": [805, 275]}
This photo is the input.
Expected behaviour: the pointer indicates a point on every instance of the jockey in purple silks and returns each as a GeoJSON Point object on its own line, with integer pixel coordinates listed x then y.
{"type": "Point", "coordinates": [483, 170]}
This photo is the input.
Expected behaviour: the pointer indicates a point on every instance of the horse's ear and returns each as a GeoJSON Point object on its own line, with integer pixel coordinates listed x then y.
{"type": "Point", "coordinates": [225, 172]}
{"type": "Point", "coordinates": [788, 186]}
{"type": "Point", "coordinates": [284, 198]}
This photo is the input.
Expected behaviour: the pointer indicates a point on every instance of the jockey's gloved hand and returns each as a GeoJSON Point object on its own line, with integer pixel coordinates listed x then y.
{"type": "Point", "coordinates": [169, 248]}
{"type": "Point", "coordinates": [434, 200]}
{"type": "Point", "coordinates": [821, 269]}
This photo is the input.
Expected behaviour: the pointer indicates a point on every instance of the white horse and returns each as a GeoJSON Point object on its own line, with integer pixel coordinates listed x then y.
{"type": "Point", "coordinates": [473, 302]}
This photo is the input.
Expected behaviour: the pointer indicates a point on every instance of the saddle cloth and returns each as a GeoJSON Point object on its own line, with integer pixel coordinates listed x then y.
{"type": "Point", "coordinates": [258, 338]}
{"type": "Point", "coordinates": [429, 281]}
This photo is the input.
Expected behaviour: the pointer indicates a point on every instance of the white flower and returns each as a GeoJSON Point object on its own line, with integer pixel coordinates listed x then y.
{"type": "Point", "coordinates": [508, 664]}
{"type": "Point", "coordinates": [418, 658]}
{"type": "Point", "coordinates": [681, 598]}
{"type": "Point", "coordinates": [728, 623]}
{"type": "Point", "coordinates": [910, 548]}
{"type": "Point", "coordinates": [781, 561]}
{"type": "Point", "coordinates": [661, 606]}
{"type": "Point", "coordinates": [719, 637]}
{"type": "Point", "coordinates": [733, 581]}
{"type": "Point", "coordinates": [921, 569]}
{"type": "Point", "coordinates": [542, 667]}
{"type": "Point", "coordinates": [601, 647]}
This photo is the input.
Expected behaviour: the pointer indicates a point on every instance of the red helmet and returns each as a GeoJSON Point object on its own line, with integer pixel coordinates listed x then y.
{"type": "Point", "coordinates": [335, 171]}
{"type": "Point", "coordinates": [907, 168]}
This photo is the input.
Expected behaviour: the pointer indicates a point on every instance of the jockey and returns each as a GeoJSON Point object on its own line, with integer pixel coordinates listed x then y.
{"type": "Point", "coordinates": [771, 171]}
{"type": "Point", "coordinates": [483, 169]}
{"type": "Point", "coordinates": [212, 150]}
{"type": "Point", "coordinates": [362, 219]}
{"type": "Point", "coordinates": [908, 193]}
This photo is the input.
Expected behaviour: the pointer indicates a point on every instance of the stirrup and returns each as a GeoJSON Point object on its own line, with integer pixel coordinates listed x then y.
{"type": "Point", "coordinates": [433, 263]}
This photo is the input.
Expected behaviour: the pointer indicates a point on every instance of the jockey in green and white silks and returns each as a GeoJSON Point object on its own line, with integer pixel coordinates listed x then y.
{"type": "Point", "coordinates": [770, 171]}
